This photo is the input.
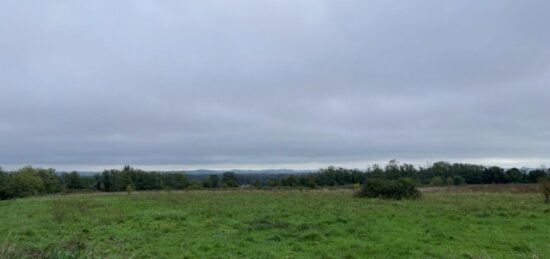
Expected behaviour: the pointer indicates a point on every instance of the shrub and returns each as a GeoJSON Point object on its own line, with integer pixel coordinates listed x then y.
{"type": "Point", "coordinates": [544, 187]}
{"type": "Point", "coordinates": [415, 181]}
{"type": "Point", "coordinates": [459, 180]}
{"type": "Point", "coordinates": [389, 189]}
{"type": "Point", "coordinates": [129, 189]}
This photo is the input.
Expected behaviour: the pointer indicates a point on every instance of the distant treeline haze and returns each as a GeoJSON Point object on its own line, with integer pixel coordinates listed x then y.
{"type": "Point", "coordinates": [30, 181]}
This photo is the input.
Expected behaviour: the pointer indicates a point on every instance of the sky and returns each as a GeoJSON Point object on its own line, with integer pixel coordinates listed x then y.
{"type": "Point", "coordinates": [273, 84]}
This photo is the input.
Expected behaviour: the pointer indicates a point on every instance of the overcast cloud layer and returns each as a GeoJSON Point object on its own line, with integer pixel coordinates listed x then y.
{"type": "Point", "coordinates": [239, 83]}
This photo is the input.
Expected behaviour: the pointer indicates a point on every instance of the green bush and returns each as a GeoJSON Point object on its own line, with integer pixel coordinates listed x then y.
{"type": "Point", "coordinates": [459, 180]}
{"type": "Point", "coordinates": [389, 189]}
{"type": "Point", "coordinates": [130, 189]}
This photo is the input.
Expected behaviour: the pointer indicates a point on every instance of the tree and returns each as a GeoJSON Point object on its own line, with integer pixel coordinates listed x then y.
{"type": "Point", "coordinates": [459, 180]}
{"type": "Point", "coordinates": [116, 180]}
{"type": "Point", "coordinates": [392, 169]}
{"type": "Point", "coordinates": [25, 182]}
{"type": "Point", "coordinates": [441, 168]}
{"type": "Point", "coordinates": [291, 180]}
{"type": "Point", "coordinates": [450, 180]}
{"type": "Point", "coordinates": [257, 184]}
{"type": "Point", "coordinates": [107, 180]}
{"type": "Point", "coordinates": [4, 185]}
{"type": "Point", "coordinates": [149, 181]}
{"type": "Point", "coordinates": [376, 171]}
{"type": "Point", "coordinates": [73, 181]}
{"type": "Point", "coordinates": [311, 182]}
{"type": "Point", "coordinates": [536, 174]}
{"type": "Point", "coordinates": [473, 174]}
{"type": "Point", "coordinates": [229, 179]}
{"type": "Point", "coordinates": [176, 181]}
{"type": "Point", "coordinates": [273, 182]}
{"type": "Point", "coordinates": [494, 174]}
{"type": "Point", "coordinates": [514, 175]}
{"type": "Point", "coordinates": [98, 182]}
{"type": "Point", "coordinates": [212, 181]}
{"type": "Point", "coordinates": [51, 182]}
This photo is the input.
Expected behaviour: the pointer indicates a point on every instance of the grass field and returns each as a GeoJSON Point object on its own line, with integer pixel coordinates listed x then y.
{"type": "Point", "coordinates": [275, 224]}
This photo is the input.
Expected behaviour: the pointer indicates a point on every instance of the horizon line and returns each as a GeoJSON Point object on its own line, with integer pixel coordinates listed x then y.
{"type": "Point", "coordinates": [355, 164]}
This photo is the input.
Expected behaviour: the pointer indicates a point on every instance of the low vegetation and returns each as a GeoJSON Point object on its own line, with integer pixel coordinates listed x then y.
{"type": "Point", "coordinates": [389, 189]}
{"type": "Point", "coordinates": [274, 224]}
{"type": "Point", "coordinates": [30, 181]}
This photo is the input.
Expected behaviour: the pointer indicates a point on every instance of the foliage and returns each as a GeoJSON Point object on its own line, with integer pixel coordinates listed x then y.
{"type": "Point", "coordinates": [536, 174]}
{"type": "Point", "coordinates": [515, 175]}
{"type": "Point", "coordinates": [118, 180]}
{"type": "Point", "coordinates": [4, 185]}
{"type": "Point", "coordinates": [494, 174]}
{"type": "Point", "coordinates": [73, 181]}
{"type": "Point", "coordinates": [25, 182]}
{"type": "Point", "coordinates": [273, 182]}
{"type": "Point", "coordinates": [52, 182]}
{"type": "Point", "coordinates": [437, 174]}
{"type": "Point", "coordinates": [459, 180]}
{"type": "Point", "coordinates": [389, 189]}
{"type": "Point", "coordinates": [257, 183]}
{"type": "Point", "coordinates": [32, 181]}
{"type": "Point", "coordinates": [212, 181]}
{"type": "Point", "coordinates": [450, 180]}
{"type": "Point", "coordinates": [194, 185]}
{"type": "Point", "coordinates": [129, 189]}
{"type": "Point", "coordinates": [229, 179]}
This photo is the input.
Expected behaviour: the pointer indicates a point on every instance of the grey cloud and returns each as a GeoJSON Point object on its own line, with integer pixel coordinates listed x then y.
{"type": "Point", "coordinates": [248, 82]}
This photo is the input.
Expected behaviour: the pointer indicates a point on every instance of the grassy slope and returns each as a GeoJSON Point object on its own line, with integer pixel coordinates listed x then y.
{"type": "Point", "coordinates": [276, 224]}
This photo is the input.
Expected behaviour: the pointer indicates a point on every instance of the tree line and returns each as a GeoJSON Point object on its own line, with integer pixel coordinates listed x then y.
{"type": "Point", "coordinates": [437, 174]}
{"type": "Point", "coordinates": [29, 181]}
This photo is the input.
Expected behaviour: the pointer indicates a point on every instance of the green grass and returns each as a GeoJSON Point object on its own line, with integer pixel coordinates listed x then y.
{"type": "Point", "coordinates": [275, 224]}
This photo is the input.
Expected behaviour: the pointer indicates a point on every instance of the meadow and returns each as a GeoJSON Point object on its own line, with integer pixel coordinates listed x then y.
{"type": "Point", "coordinates": [275, 224]}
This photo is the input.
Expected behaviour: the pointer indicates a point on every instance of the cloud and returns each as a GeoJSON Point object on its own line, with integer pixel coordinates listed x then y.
{"type": "Point", "coordinates": [285, 82]}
